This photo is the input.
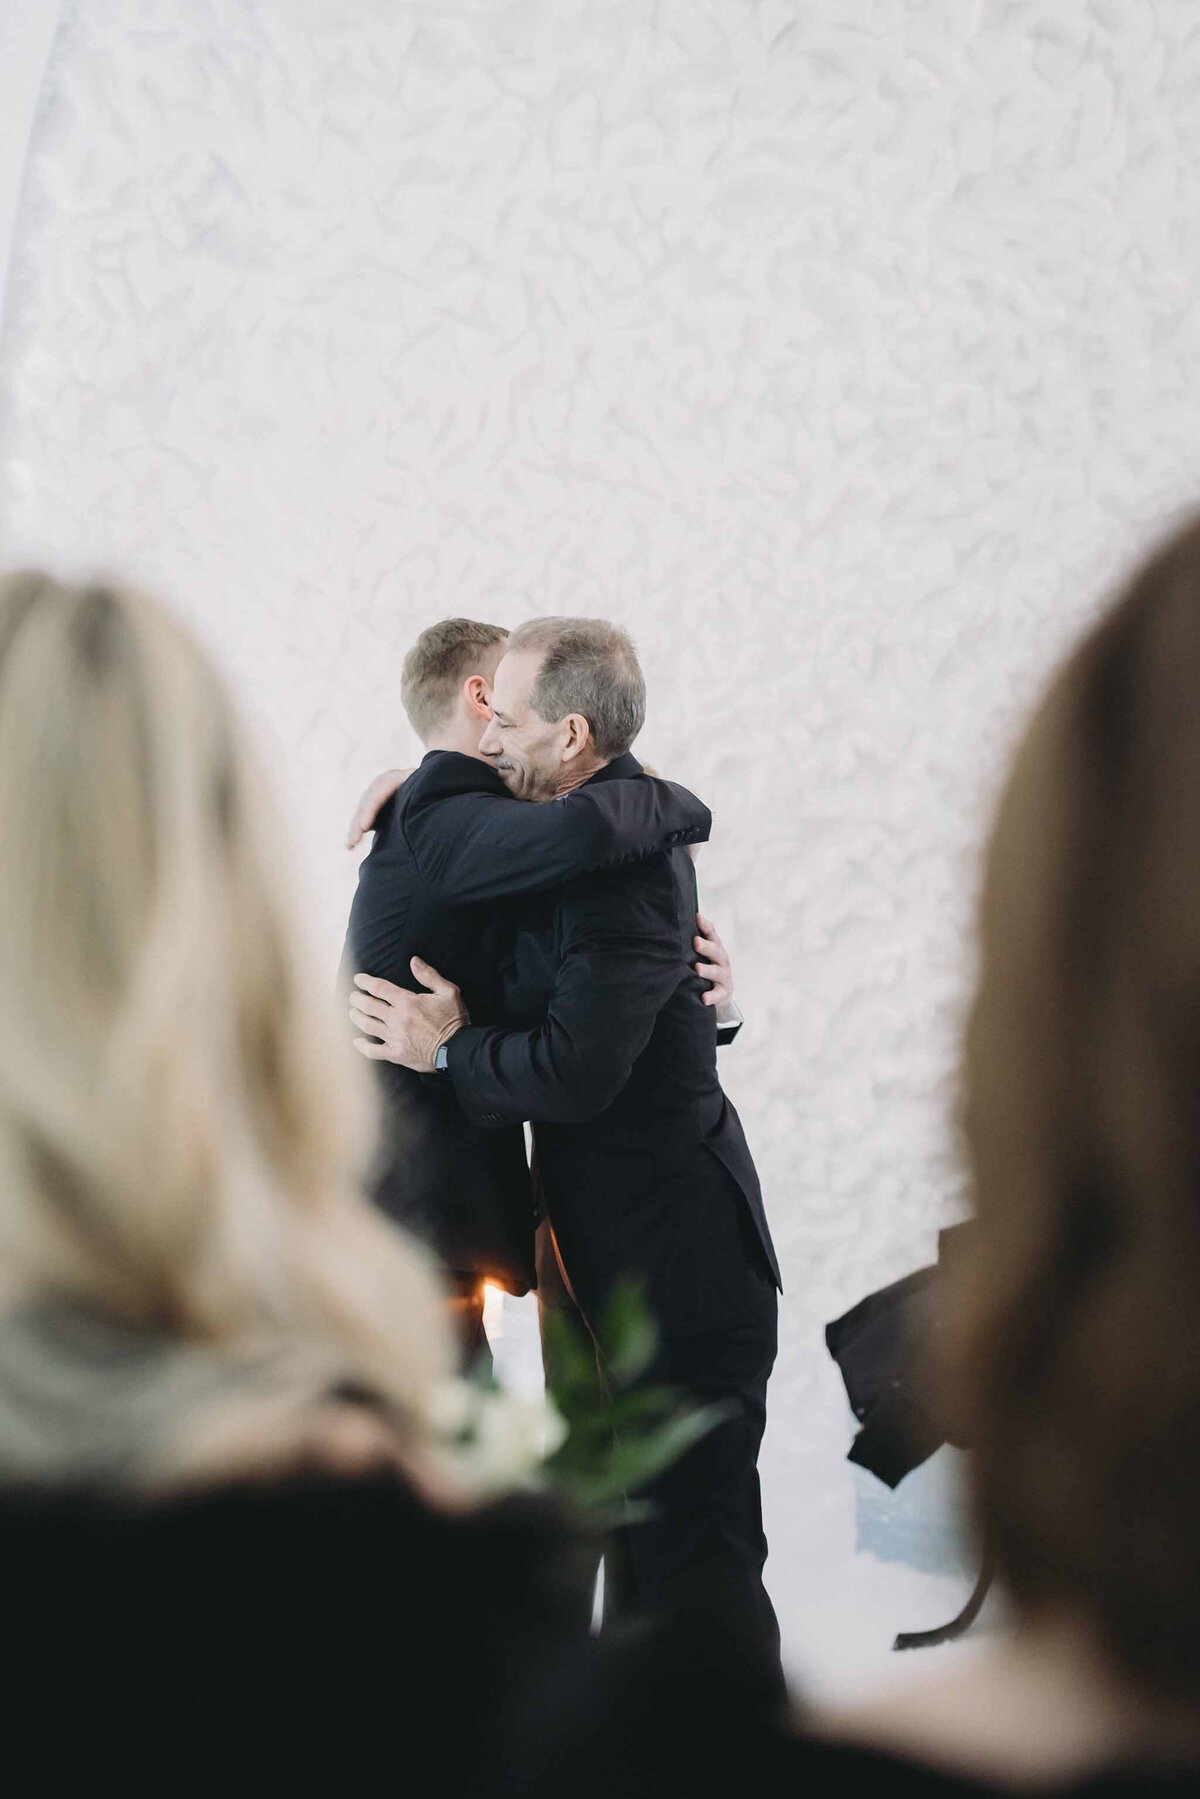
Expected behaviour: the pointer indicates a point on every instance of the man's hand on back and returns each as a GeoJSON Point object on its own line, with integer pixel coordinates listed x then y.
{"type": "Point", "coordinates": [412, 1026]}
{"type": "Point", "coordinates": [367, 810]}
{"type": "Point", "coordinates": [714, 965]}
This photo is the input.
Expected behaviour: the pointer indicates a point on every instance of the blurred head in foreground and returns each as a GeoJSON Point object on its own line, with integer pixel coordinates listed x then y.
{"type": "Point", "coordinates": [180, 1127]}
{"type": "Point", "coordinates": [1075, 1349]}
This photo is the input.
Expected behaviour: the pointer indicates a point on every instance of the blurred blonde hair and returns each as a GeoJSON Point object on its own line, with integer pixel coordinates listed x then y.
{"type": "Point", "coordinates": [181, 1123]}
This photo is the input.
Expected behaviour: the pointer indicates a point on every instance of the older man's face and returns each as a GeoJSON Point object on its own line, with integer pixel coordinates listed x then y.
{"type": "Point", "coordinates": [525, 751]}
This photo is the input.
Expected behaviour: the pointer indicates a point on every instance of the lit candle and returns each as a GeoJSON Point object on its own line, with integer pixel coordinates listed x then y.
{"type": "Point", "coordinates": [493, 1310]}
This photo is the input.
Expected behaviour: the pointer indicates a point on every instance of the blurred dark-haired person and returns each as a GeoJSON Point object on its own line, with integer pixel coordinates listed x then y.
{"type": "Point", "coordinates": [606, 1045]}
{"type": "Point", "coordinates": [1072, 1360]}
{"type": "Point", "coordinates": [451, 856]}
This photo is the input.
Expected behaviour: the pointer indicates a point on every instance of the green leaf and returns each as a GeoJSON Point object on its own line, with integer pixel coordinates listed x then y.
{"type": "Point", "coordinates": [627, 1334]}
{"type": "Point", "coordinates": [620, 1435]}
{"type": "Point", "coordinates": [633, 1464]}
{"type": "Point", "coordinates": [571, 1374]}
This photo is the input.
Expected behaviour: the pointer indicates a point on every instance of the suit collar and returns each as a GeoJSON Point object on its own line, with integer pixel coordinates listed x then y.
{"type": "Point", "coordinates": [449, 771]}
{"type": "Point", "coordinates": [457, 755]}
{"type": "Point", "coordinates": [621, 768]}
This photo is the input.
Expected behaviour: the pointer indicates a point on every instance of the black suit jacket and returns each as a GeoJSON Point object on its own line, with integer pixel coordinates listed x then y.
{"type": "Point", "coordinates": [612, 1054]}
{"type": "Point", "coordinates": [452, 852]}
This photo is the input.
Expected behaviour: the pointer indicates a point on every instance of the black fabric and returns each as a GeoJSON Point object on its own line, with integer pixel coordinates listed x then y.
{"type": "Point", "coordinates": [680, 1726]}
{"type": "Point", "coordinates": [450, 853]}
{"type": "Point", "coordinates": [644, 1169]}
{"type": "Point", "coordinates": [556, 1308]}
{"type": "Point", "coordinates": [609, 1050]}
{"type": "Point", "coordinates": [705, 1511]}
{"type": "Point", "coordinates": [882, 1348]}
{"type": "Point", "coordinates": [687, 1709]}
{"type": "Point", "coordinates": [319, 1634]}
{"type": "Point", "coordinates": [277, 1629]}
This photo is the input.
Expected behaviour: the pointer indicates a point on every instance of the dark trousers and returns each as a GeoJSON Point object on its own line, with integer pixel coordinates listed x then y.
{"type": "Point", "coordinates": [705, 1512]}
{"type": "Point", "coordinates": [704, 1522]}
{"type": "Point", "coordinates": [554, 1298]}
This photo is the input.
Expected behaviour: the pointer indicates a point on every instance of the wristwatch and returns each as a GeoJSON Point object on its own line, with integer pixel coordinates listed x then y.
{"type": "Point", "coordinates": [441, 1061]}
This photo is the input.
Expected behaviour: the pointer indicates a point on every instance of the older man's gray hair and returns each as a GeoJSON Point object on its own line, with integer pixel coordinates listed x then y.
{"type": "Point", "coordinates": [589, 667]}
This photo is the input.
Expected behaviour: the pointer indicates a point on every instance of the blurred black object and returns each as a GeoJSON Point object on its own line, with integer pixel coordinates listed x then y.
{"type": "Point", "coordinates": [882, 1347]}
{"type": "Point", "coordinates": [729, 1022]}
{"type": "Point", "coordinates": [962, 1621]}
{"type": "Point", "coordinates": [298, 1634]}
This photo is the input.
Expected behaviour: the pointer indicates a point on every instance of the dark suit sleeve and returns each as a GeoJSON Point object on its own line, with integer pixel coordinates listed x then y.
{"type": "Point", "coordinates": [483, 846]}
{"type": "Point", "coordinates": [621, 963]}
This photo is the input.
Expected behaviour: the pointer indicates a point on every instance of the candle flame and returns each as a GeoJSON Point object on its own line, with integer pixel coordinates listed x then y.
{"type": "Point", "coordinates": [493, 1310]}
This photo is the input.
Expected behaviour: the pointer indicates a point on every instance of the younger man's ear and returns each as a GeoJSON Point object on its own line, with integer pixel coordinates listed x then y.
{"type": "Point", "coordinates": [478, 696]}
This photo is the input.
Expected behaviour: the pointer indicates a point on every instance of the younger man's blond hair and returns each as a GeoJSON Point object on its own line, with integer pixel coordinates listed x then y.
{"type": "Point", "coordinates": [442, 658]}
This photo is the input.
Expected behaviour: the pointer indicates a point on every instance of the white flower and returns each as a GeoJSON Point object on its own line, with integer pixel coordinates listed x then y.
{"type": "Point", "coordinates": [449, 1408]}
{"type": "Point", "coordinates": [492, 1438]}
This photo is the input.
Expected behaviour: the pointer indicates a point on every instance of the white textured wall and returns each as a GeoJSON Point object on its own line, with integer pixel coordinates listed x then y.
{"type": "Point", "coordinates": [26, 32]}
{"type": "Point", "coordinates": [844, 350]}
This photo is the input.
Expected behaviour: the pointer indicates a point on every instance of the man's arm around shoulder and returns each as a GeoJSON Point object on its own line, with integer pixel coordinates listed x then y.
{"type": "Point", "coordinates": [477, 843]}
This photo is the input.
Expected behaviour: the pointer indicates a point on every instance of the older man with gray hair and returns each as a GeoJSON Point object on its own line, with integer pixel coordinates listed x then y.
{"type": "Point", "coordinates": [609, 1050]}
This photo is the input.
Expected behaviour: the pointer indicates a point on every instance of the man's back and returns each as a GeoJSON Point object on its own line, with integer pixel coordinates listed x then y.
{"type": "Point", "coordinates": [401, 908]}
